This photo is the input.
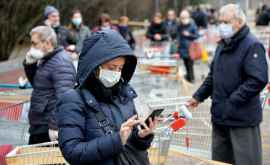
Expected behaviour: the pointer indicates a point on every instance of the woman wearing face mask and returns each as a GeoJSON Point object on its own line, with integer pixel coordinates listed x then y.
{"type": "Point", "coordinates": [106, 65]}
{"type": "Point", "coordinates": [78, 30]}
{"type": "Point", "coordinates": [187, 32]}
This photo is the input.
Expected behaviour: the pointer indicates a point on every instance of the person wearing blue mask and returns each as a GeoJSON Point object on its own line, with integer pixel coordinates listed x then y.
{"type": "Point", "coordinates": [238, 74]}
{"type": "Point", "coordinates": [97, 120]}
{"type": "Point", "coordinates": [78, 30]}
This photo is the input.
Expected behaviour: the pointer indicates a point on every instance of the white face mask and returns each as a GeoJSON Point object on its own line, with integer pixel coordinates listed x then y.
{"type": "Point", "coordinates": [105, 28]}
{"type": "Point", "coordinates": [186, 21]}
{"type": "Point", "coordinates": [109, 78]}
{"type": "Point", "coordinates": [225, 31]}
{"type": "Point", "coordinates": [36, 53]}
{"type": "Point", "coordinates": [77, 21]}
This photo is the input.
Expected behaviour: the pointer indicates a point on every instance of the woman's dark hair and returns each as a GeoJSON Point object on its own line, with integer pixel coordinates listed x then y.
{"type": "Point", "coordinates": [75, 11]}
{"type": "Point", "coordinates": [104, 17]}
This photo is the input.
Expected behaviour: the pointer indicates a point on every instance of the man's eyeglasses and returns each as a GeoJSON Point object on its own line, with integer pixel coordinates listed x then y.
{"type": "Point", "coordinates": [225, 22]}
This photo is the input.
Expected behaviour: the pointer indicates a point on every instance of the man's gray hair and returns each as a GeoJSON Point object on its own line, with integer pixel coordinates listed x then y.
{"type": "Point", "coordinates": [236, 10]}
{"type": "Point", "coordinates": [45, 33]}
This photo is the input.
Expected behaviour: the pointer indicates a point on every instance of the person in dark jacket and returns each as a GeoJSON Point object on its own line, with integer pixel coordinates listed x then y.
{"type": "Point", "coordinates": [238, 74]}
{"type": "Point", "coordinates": [157, 32]}
{"type": "Point", "coordinates": [52, 19]}
{"type": "Point", "coordinates": [50, 72]}
{"type": "Point", "coordinates": [104, 23]}
{"type": "Point", "coordinates": [200, 17]}
{"type": "Point", "coordinates": [263, 17]}
{"type": "Point", "coordinates": [187, 33]}
{"type": "Point", "coordinates": [78, 31]}
{"type": "Point", "coordinates": [125, 31]}
{"type": "Point", "coordinates": [106, 66]}
{"type": "Point", "coordinates": [171, 24]}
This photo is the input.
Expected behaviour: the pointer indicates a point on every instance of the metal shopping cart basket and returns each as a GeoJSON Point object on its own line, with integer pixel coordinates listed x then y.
{"type": "Point", "coordinates": [159, 73]}
{"type": "Point", "coordinates": [14, 107]}
{"type": "Point", "coordinates": [158, 153]}
{"type": "Point", "coordinates": [156, 58]}
{"type": "Point", "coordinates": [189, 145]}
{"type": "Point", "coordinates": [38, 154]}
{"type": "Point", "coordinates": [13, 123]}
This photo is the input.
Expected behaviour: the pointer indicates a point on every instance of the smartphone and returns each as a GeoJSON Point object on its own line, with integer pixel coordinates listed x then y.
{"type": "Point", "coordinates": [155, 113]}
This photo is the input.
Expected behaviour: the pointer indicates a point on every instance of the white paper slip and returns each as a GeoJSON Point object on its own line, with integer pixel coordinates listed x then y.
{"type": "Point", "coordinates": [143, 110]}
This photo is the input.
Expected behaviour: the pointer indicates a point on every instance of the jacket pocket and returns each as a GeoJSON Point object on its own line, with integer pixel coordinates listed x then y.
{"type": "Point", "coordinates": [229, 110]}
{"type": "Point", "coordinates": [222, 109]}
{"type": "Point", "coordinates": [216, 109]}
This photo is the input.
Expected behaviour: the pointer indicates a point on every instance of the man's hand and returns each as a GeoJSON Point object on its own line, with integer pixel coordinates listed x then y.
{"type": "Point", "coordinates": [157, 37]}
{"type": "Point", "coordinates": [53, 135]}
{"type": "Point", "coordinates": [192, 103]}
{"type": "Point", "coordinates": [186, 33]}
{"type": "Point", "coordinates": [70, 48]}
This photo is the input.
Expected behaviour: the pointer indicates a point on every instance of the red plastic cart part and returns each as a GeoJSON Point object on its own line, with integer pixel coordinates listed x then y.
{"type": "Point", "coordinates": [175, 115]}
{"type": "Point", "coordinates": [4, 150]}
{"type": "Point", "coordinates": [159, 69]}
{"type": "Point", "coordinates": [268, 87]}
{"type": "Point", "coordinates": [177, 124]}
{"type": "Point", "coordinates": [187, 141]}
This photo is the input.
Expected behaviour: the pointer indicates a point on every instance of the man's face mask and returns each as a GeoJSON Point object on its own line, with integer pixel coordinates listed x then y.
{"type": "Point", "coordinates": [225, 30]}
{"type": "Point", "coordinates": [109, 78]}
{"type": "Point", "coordinates": [36, 53]}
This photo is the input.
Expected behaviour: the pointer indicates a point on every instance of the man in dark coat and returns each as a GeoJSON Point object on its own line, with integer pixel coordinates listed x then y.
{"type": "Point", "coordinates": [52, 19]}
{"type": "Point", "coordinates": [105, 68]}
{"type": "Point", "coordinates": [238, 74]}
{"type": "Point", "coordinates": [50, 71]}
{"type": "Point", "coordinates": [171, 24]}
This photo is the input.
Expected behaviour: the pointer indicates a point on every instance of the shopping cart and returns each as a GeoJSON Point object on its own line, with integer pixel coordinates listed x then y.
{"type": "Point", "coordinates": [159, 73]}
{"type": "Point", "coordinates": [39, 154]}
{"type": "Point", "coordinates": [158, 153]}
{"type": "Point", "coordinates": [157, 59]}
{"type": "Point", "coordinates": [195, 137]}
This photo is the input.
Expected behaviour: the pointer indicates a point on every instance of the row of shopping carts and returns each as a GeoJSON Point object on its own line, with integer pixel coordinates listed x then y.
{"type": "Point", "coordinates": [159, 82]}
{"type": "Point", "coordinates": [14, 129]}
{"type": "Point", "coordinates": [161, 152]}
